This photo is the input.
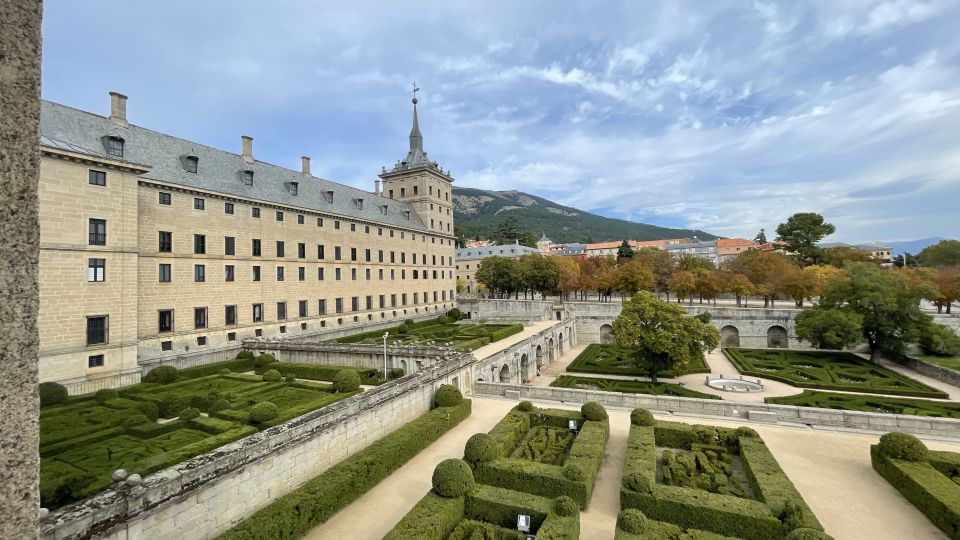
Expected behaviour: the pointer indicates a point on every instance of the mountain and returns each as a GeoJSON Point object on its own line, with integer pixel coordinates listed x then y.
{"type": "Point", "coordinates": [911, 246]}
{"type": "Point", "coordinates": [478, 212]}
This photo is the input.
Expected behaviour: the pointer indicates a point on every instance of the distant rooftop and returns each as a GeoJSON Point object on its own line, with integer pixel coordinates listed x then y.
{"type": "Point", "coordinates": [507, 250]}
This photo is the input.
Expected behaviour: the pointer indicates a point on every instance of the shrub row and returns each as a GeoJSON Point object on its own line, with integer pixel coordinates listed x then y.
{"type": "Point", "coordinates": [506, 332]}
{"type": "Point", "coordinates": [589, 361]}
{"type": "Point", "coordinates": [658, 530]}
{"type": "Point", "coordinates": [238, 365]}
{"type": "Point", "coordinates": [322, 373]}
{"type": "Point", "coordinates": [629, 387]}
{"type": "Point", "coordinates": [294, 514]}
{"type": "Point", "coordinates": [853, 402]}
{"type": "Point", "coordinates": [773, 487]}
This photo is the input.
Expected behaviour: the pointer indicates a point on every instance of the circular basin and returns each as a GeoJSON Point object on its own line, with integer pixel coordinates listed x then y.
{"type": "Point", "coordinates": [735, 385]}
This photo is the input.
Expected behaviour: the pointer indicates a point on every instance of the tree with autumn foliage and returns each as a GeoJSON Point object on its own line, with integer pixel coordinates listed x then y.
{"type": "Point", "coordinates": [764, 269]}
{"type": "Point", "coordinates": [630, 277]}
{"type": "Point", "coordinates": [661, 263]}
{"type": "Point", "coordinates": [569, 276]}
{"type": "Point", "coordinates": [683, 283]}
{"type": "Point", "coordinates": [741, 287]}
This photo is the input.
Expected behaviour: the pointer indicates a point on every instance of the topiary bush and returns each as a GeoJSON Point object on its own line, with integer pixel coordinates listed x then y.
{"type": "Point", "coordinates": [641, 417]}
{"type": "Point", "coordinates": [263, 411]}
{"type": "Point", "coordinates": [526, 406]}
{"type": "Point", "coordinates": [455, 314]}
{"type": "Point", "coordinates": [593, 411]}
{"type": "Point", "coordinates": [480, 448]}
{"type": "Point", "coordinates": [565, 506]}
{"type": "Point", "coordinates": [903, 446]}
{"type": "Point", "coordinates": [396, 373]}
{"type": "Point", "coordinates": [453, 478]}
{"type": "Point", "coordinates": [245, 355]}
{"type": "Point", "coordinates": [219, 405]}
{"type": "Point", "coordinates": [447, 396]}
{"type": "Point", "coordinates": [189, 413]}
{"type": "Point", "coordinates": [272, 375]}
{"type": "Point", "coordinates": [264, 359]}
{"type": "Point", "coordinates": [162, 375]}
{"type": "Point", "coordinates": [52, 393]}
{"type": "Point", "coordinates": [346, 380]}
{"type": "Point", "coordinates": [224, 371]}
{"type": "Point", "coordinates": [573, 472]}
{"type": "Point", "coordinates": [290, 378]}
{"type": "Point", "coordinates": [170, 407]}
{"type": "Point", "coordinates": [808, 534]}
{"type": "Point", "coordinates": [637, 482]}
{"type": "Point", "coordinates": [105, 394]}
{"type": "Point", "coordinates": [149, 409]}
{"type": "Point", "coordinates": [131, 420]}
{"type": "Point", "coordinates": [443, 319]}
{"type": "Point", "coordinates": [744, 431]}
{"type": "Point", "coordinates": [632, 521]}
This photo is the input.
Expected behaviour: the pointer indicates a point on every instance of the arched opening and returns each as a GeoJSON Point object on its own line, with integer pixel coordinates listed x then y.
{"type": "Point", "coordinates": [403, 366]}
{"type": "Point", "coordinates": [729, 336]}
{"type": "Point", "coordinates": [505, 373]}
{"type": "Point", "coordinates": [539, 357]}
{"type": "Point", "coordinates": [561, 343]}
{"type": "Point", "coordinates": [777, 337]}
{"type": "Point", "coordinates": [551, 351]}
{"type": "Point", "coordinates": [606, 334]}
{"type": "Point", "coordinates": [524, 368]}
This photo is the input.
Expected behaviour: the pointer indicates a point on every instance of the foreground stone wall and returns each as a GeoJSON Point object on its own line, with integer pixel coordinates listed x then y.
{"type": "Point", "coordinates": [788, 414]}
{"type": "Point", "coordinates": [940, 373]}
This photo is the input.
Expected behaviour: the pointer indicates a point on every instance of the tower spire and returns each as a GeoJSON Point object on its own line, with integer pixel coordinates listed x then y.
{"type": "Point", "coordinates": [416, 139]}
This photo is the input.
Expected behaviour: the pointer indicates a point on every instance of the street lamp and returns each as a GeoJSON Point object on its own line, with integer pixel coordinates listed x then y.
{"type": "Point", "coordinates": [385, 376]}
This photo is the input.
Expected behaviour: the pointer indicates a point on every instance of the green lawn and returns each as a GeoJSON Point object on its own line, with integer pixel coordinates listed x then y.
{"type": "Point", "coordinates": [629, 387]}
{"type": "Point", "coordinates": [466, 337]}
{"type": "Point", "coordinates": [614, 360]}
{"type": "Point", "coordinates": [881, 404]}
{"type": "Point", "coordinates": [951, 362]}
{"type": "Point", "coordinates": [827, 370]}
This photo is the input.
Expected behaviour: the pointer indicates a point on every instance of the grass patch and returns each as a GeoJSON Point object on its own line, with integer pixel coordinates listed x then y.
{"type": "Point", "coordinates": [615, 360]}
{"type": "Point", "coordinates": [876, 404]}
{"type": "Point", "coordinates": [827, 370]}
{"type": "Point", "coordinates": [629, 387]}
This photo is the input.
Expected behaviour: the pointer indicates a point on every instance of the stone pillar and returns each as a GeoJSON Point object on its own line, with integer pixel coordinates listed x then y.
{"type": "Point", "coordinates": [19, 253]}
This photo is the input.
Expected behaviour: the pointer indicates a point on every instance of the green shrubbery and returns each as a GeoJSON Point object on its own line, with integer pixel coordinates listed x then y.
{"type": "Point", "coordinates": [632, 521]}
{"type": "Point", "coordinates": [628, 386]}
{"type": "Point", "coordinates": [318, 372]}
{"type": "Point", "coordinates": [106, 394]}
{"type": "Point", "coordinates": [188, 414]}
{"type": "Point", "coordinates": [162, 375]}
{"type": "Point", "coordinates": [264, 359]}
{"type": "Point", "coordinates": [480, 448]}
{"type": "Point", "coordinates": [52, 393]}
{"type": "Point", "coordinates": [272, 375]}
{"type": "Point", "coordinates": [938, 340]}
{"type": "Point", "coordinates": [452, 478]}
{"type": "Point", "coordinates": [903, 446]}
{"type": "Point", "coordinates": [641, 417]}
{"type": "Point", "coordinates": [346, 380]}
{"type": "Point", "coordinates": [525, 406]}
{"type": "Point", "coordinates": [447, 396]}
{"type": "Point", "coordinates": [853, 402]}
{"type": "Point", "coordinates": [593, 411]}
{"type": "Point", "coordinates": [264, 411]}
{"type": "Point", "coordinates": [614, 360]}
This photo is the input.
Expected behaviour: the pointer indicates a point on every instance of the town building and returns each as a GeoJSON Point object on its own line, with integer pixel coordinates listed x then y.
{"type": "Point", "coordinates": [602, 249]}
{"type": "Point", "coordinates": [705, 250]}
{"type": "Point", "coordinates": [878, 252]}
{"type": "Point", "coordinates": [469, 259]}
{"type": "Point", "coordinates": [545, 245]}
{"type": "Point", "coordinates": [154, 247]}
{"type": "Point", "coordinates": [571, 250]}
{"type": "Point", "coordinates": [730, 248]}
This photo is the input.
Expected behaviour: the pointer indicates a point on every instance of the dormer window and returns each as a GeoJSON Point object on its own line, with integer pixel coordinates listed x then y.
{"type": "Point", "coordinates": [358, 203]}
{"type": "Point", "coordinates": [292, 187]}
{"type": "Point", "coordinates": [247, 177]}
{"type": "Point", "coordinates": [191, 163]}
{"type": "Point", "coordinates": [113, 145]}
{"type": "Point", "coordinates": [406, 214]}
{"type": "Point", "coordinates": [383, 209]}
{"type": "Point", "coordinates": [328, 196]}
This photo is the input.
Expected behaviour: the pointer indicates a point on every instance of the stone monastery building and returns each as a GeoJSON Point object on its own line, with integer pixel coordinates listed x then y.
{"type": "Point", "coordinates": [155, 247]}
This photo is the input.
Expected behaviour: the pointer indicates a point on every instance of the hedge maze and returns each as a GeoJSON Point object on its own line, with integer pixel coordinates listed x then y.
{"type": "Point", "coordinates": [615, 360]}
{"type": "Point", "coordinates": [709, 480]}
{"type": "Point", "coordinates": [440, 331]}
{"type": "Point", "coordinates": [629, 387]}
{"type": "Point", "coordinates": [827, 370]}
{"type": "Point", "coordinates": [930, 480]}
{"type": "Point", "coordinates": [875, 404]}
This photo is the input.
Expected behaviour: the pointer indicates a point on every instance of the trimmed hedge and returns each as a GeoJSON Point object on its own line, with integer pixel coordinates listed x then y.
{"type": "Point", "coordinates": [502, 333]}
{"type": "Point", "coordinates": [239, 365]}
{"type": "Point", "coordinates": [603, 359]}
{"type": "Point", "coordinates": [903, 446]}
{"type": "Point", "coordinates": [447, 395]}
{"type": "Point", "coordinates": [324, 373]}
{"type": "Point", "coordinates": [866, 403]}
{"type": "Point", "coordinates": [926, 487]}
{"type": "Point", "coordinates": [629, 387]}
{"type": "Point", "coordinates": [52, 393]}
{"type": "Point", "coordinates": [294, 514]}
{"type": "Point", "coordinates": [347, 380]}
{"type": "Point", "coordinates": [659, 530]}
{"type": "Point", "coordinates": [453, 478]}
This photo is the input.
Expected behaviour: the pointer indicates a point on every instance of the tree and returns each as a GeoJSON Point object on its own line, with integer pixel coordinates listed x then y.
{"type": "Point", "coordinates": [692, 263]}
{"type": "Point", "coordinates": [661, 334]}
{"type": "Point", "coordinates": [709, 285]}
{"type": "Point", "coordinates": [461, 286]}
{"type": "Point", "coordinates": [540, 274]}
{"type": "Point", "coordinates": [632, 277]}
{"type": "Point", "coordinates": [802, 232]}
{"type": "Point", "coordinates": [569, 277]}
{"type": "Point", "coordinates": [830, 328]}
{"type": "Point", "coordinates": [761, 237]}
{"type": "Point", "coordinates": [508, 231]}
{"type": "Point", "coordinates": [943, 253]}
{"type": "Point", "coordinates": [740, 286]}
{"type": "Point", "coordinates": [841, 255]}
{"type": "Point", "coordinates": [661, 263]}
{"type": "Point", "coordinates": [460, 240]}
{"type": "Point", "coordinates": [947, 281]}
{"type": "Point", "coordinates": [624, 252]}
{"type": "Point", "coordinates": [764, 269]}
{"type": "Point", "coordinates": [906, 260]}
{"type": "Point", "coordinates": [500, 275]}
{"type": "Point", "coordinates": [938, 340]}
{"type": "Point", "coordinates": [800, 284]}
{"type": "Point", "coordinates": [888, 305]}
{"type": "Point", "coordinates": [682, 284]}
{"type": "Point", "coordinates": [528, 239]}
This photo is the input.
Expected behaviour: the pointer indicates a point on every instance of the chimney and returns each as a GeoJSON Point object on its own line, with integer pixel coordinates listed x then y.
{"type": "Point", "coordinates": [305, 165]}
{"type": "Point", "coordinates": [376, 187]}
{"type": "Point", "coordinates": [247, 143]}
{"type": "Point", "coordinates": [118, 109]}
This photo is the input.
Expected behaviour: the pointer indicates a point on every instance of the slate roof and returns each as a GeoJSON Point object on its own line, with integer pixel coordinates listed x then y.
{"type": "Point", "coordinates": [79, 131]}
{"type": "Point", "coordinates": [507, 250]}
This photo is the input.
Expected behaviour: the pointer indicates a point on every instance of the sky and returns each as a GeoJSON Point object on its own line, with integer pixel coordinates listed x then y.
{"type": "Point", "coordinates": [726, 116]}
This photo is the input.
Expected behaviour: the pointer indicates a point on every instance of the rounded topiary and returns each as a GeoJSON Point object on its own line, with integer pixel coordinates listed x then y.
{"type": "Point", "coordinates": [346, 380]}
{"type": "Point", "coordinates": [455, 314]}
{"type": "Point", "coordinates": [162, 375]}
{"type": "Point", "coordinates": [641, 417]}
{"type": "Point", "coordinates": [105, 394]}
{"type": "Point", "coordinates": [225, 371]}
{"type": "Point", "coordinates": [443, 319]}
{"type": "Point", "coordinates": [632, 521]}
{"type": "Point", "coordinates": [52, 393]}
{"type": "Point", "coordinates": [573, 472]}
{"type": "Point", "coordinates": [189, 413]}
{"type": "Point", "coordinates": [525, 406]}
{"type": "Point", "coordinates": [272, 375]}
{"type": "Point", "coordinates": [565, 506]}
{"type": "Point", "coordinates": [264, 411]}
{"type": "Point", "coordinates": [592, 410]}
{"type": "Point", "coordinates": [808, 534]}
{"type": "Point", "coordinates": [481, 448]}
{"type": "Point", "coordinates": [219, 405]}
{"type": "Point", "coordinates": [245, 355]}
{"type": "Point", "coordinates": [170, 407]}
{"type": "Point", "coordinates": [902, 446]}
{"type": "Point", "coordinates": [264, 359]}
{"type": "Point", "coordinates": [149, 409]}
{"type": "Point", "coordinates": [290, 378]}
{"type": "Point", "coordinates": [744, 431]}
{"type": "Point", "coordinates": [396, 373]}
{"type": "Point", "coordinates": [447, 396]}
{"type": "Point", "coordinates": [637, 482]}
{"type": "Point", "coordinates": [453, 478]}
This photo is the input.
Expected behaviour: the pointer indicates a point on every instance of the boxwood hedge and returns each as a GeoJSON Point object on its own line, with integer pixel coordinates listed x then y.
{"type": "Point", "coordinates": [294, 514]}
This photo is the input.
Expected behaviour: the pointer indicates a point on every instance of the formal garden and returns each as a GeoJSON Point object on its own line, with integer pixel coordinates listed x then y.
{"type": "Point", "coordinates": [616, 360]}
{"type": "Point", "coordinates": [170, 417]}
{"type": "Point", "coordinates": [929, 479]}
{"type": "Point", "coordinates": [629, 387]}
{"type": "Point", "coordinates": [444, 330]}
{"type": "Point", "coordinates": [709, 480]}
{"type": "Point", "coordinates": [827, 370]}
{"type": "Point", "coordinates": [873, 404]}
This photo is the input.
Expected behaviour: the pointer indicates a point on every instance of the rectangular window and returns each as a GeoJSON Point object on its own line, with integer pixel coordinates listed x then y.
{"type": "Point", "coordinates": [321, 307]}
{"type": "Point", "coordinates": [95, 361]}
{"type": "Point", "coordinates": [355, 303]}
{"type": "Point", "coordinates": [302, 273]}
{"type": "Point", "coordinates": [198, 203]}
{"type": "Point", "coordinates": [255, 213]}
{"type": "Point", "coordinates": [393, 258]}
{"type": "Point", "coordinates": [165, 198]}
{"type": "Point", "coordinates": [201, 340]}
{"type": "Point", "coordinates": [230, 315]}
{"type": "Point", "coordinates": [165, 320]}
{"type": "Point", "coordinates": [166, 345]}
{"type": "Point", "coordinates": [165, 243]}
{"type": "Point", "coordinates": [280, 248]}
{"type": "Point", "coordinates": [199, 317]}
{"type": "Point", "coordinates": [353, 274]}
{"type": "Point", "coordinates": [353, 227]}
{"type": "Point", "coordinates": [98, 232]}
{"type": "Point", "coordinates": [279, 273]}
{"type": "Point", "coordinates": [319, 222]}
{"type": "Point", "coordinates": [96, 270]}
{"type": "Point", "coordinates": [320, 274]}
{"type": "Point", "coordinates": [199, 244]}
{"type": "Point", "coordinates": [302, 310]}
{"type": "Point", "coordinates": [228, 273]}
{"type": "Point", "coordinates": [97, 178]}
{"type": "Point", "coordinates": [199, 273]}
{"type": "Point", "coordinates": [258, 313]}
{"type": "Point", "coordinates": [115, 146]}
{"type": "Point", "coordinates": [380, 272]}
{"type": "Point", "coordinates": [229, 245]}
{"type": "Point", "coordinates": [300, 219]}
{"type": "Point", "coordinates": [302, 250]}
{"type": "Point", "coordinates": [336, 225]}
{"type": "Point", "coordinates": [231, 336]}
{"type": "Point", "coordinates": [336, 274]}
{"type": "Point", "coordinates": [383, 301]}
{"type": "Point", "coordinates": [320, 253]}
{"type": "Point", "coordinates": [339, 305]}
{"type": "Point", "coordinates": [228, 208]}
{"type": "Point", "coordinates": [281, 311]}
{"type": "Point", "coordinates": [164, 273]}
{"type": "Point", "coordinates": [368, 274]}
{"type": "Point", "coordinates": [255, 272]}
{"type": "Point", "coordinates": [393, 300]}
{"type": "Point", "coordinates": [255, 247]}
{"type": "Point", "coordinates": [96, 330]}
{"type": "Point", "coordinates": [336, 253]}
{"type": "Point", "coordinates": [403, 298]}
{"type": "Point", "coordinates": [279, 215]}
{"type": "Point", "coordinates": [380, 255]}
{"type": "Point", "coordinates": [369, 302]}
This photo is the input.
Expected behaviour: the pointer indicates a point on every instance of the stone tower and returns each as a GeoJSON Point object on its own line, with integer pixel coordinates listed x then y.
{"type": "Point", "coordinates": [421, 183]}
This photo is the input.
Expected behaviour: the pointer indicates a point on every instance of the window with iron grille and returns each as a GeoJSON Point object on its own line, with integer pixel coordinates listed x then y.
{"type": "Point", "coordinates": [199, 244]}
{"type": "Point", "coordinates": [255, 272]}
{"type": "Point", "coordinates": [115, 146]}
{"type": "Point", "coordinates": [198, 203]}
{"type": "Point", "coordinates": [300, 219]}
{"type": "Point", "coordinates": [199, 317]}
{"type": "Point", "coordinates": [165, 243]}
{"type": "Point", "coordinates": [165, 198]}
{"type": "Point", "coordinates": [279, 215]}
{"type": "Point", "coordinates": [96, 330]}
{"type": "Point", "coordinates": [95, 360]}
{"type": "Point", "coordinates": [96, 270]}
{"type": "Point", "coordinates": [230, 315]}
{"type": "Point", "coordinates": [255, 212]}
{"type": "Point", "coordinates": [279, 273]}
{"type": "Point", "coordinates": [228, 208]}
{"type": "Point", "coordinates": [201, 341]}
{"type": "Point", "coordinates": [228, 273]}
{"type": "Point", "coordinates": [97, 178]}
{"type": "Point", "coordinates": [165, 320]}
{"type": "Point", "coordinates": [164, 273]}
{"type": "Point", "coordinates": [199, 273]}
{"type": "Point", "coordinates": [255, 247]}
{"type": "Point", "coordinates": [98, 232]}
{"type": "Point", "coordinates": [281, 311]}
{"type": "Point", "coordinates": [231, 336]}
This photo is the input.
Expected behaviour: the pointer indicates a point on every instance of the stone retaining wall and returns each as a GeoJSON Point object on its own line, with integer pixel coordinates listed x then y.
{"type": "Point", "coordinates": [942, 374]}
{"type": "Point", "coordinates": [811, 416]}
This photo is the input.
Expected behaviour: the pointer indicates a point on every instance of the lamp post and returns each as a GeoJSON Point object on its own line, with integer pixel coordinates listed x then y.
{"type": "Point", "coordinates": [385, 376]}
